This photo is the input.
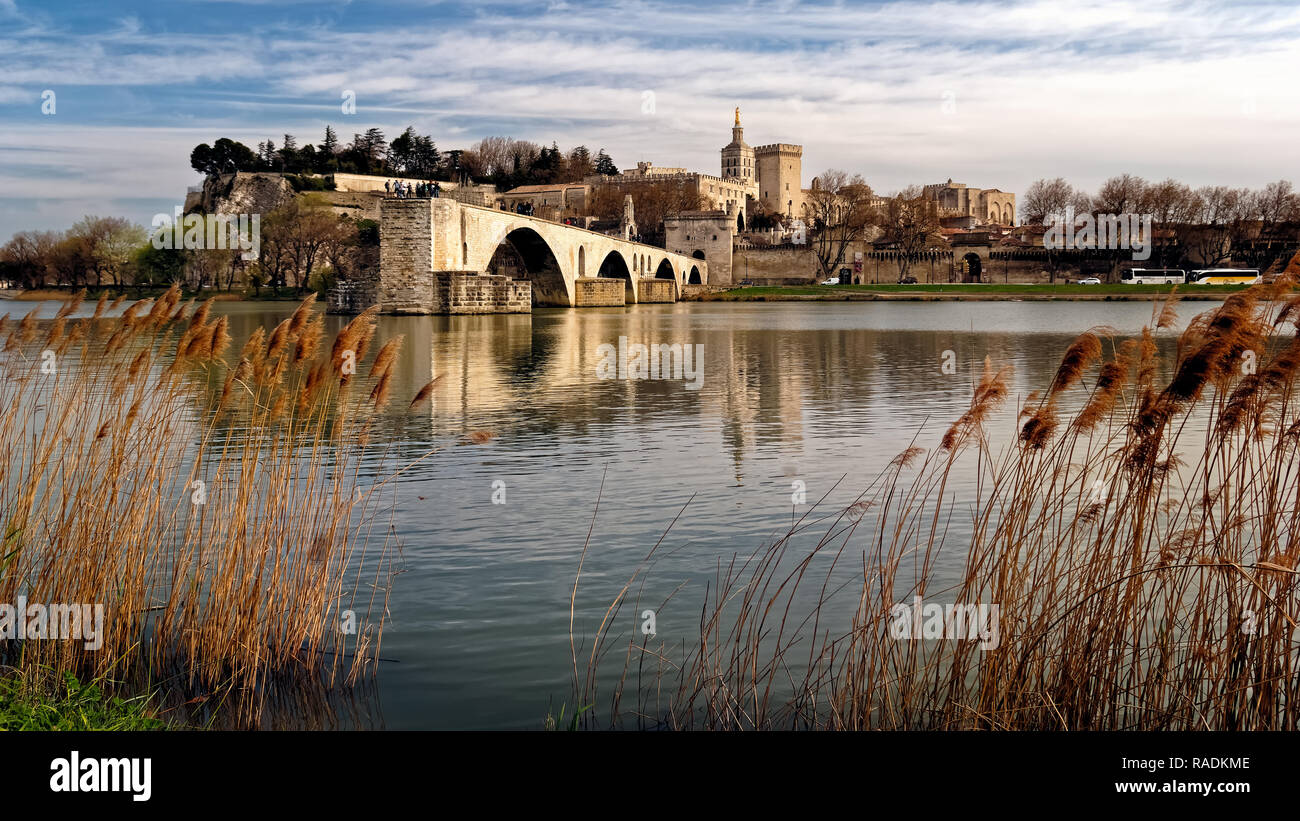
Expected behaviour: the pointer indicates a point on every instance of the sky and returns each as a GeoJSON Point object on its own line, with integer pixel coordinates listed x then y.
{"type": "Point", "coordinates": [991, 94]}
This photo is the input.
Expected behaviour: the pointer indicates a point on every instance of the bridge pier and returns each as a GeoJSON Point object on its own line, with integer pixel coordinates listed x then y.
{"type": "Point", "coordinates": [456, 292]}
{"type": "Point", "coordinates": [599, 292]}
{"type": "Point", "coordinates": [651, 289]}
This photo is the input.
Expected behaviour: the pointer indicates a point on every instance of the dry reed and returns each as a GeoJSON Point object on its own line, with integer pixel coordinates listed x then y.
{"type": "Point", "coordinates": [211, 508]}
{"type": "Point", "coordinates": [1143, 559]}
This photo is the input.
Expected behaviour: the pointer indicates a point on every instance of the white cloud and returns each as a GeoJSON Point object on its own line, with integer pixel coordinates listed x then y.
{"type": "Point", "coordinates": [1194, 90]}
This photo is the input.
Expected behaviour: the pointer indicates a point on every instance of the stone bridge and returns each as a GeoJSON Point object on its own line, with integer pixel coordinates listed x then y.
{"type": "Point", "coordinates": [441, 256]}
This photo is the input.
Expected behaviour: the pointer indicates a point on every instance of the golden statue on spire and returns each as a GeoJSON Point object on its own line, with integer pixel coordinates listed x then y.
{"type": "Point", "coordinates": [737, 115]}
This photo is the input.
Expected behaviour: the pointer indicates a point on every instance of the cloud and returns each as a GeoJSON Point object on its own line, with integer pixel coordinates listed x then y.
{"type": "Point", "coordinates": [992, 94]}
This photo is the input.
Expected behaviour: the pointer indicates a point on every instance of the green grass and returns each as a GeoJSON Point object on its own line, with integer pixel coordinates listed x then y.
{"type": "Point", "coordinates": [990, 289]}
{"type": "Point", "coordinates": [69, 704]}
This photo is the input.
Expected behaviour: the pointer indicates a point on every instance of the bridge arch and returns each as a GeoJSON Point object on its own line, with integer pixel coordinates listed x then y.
{"type": "Point", "coordinates": [615, 265]}
{"type": "Point", "coordinates": [582, 260]}
{"type": "Point", "coordinates": [694, 276]}
{"type": "Point", "coordinates": [665, 270]}
{"type": "Point", "coordinates": [523, 253]}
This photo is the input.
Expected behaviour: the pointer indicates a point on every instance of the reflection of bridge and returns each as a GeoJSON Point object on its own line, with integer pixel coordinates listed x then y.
{"type": "Point", "coordinates": [443, 256]}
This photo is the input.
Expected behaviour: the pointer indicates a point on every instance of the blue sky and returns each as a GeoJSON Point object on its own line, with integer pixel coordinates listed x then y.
{"type": "Point", "coordinates": [993, 94]}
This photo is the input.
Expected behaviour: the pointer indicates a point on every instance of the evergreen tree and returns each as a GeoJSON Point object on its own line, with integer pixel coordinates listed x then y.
{"type": "Point", "coordinates": [330, 145]}
{"type": "Point", "coordinates": [224, 156]}
{"type": "Point", "coordinates": [580, 164]}
{"type": "Point", "coordinates": [605, 165]}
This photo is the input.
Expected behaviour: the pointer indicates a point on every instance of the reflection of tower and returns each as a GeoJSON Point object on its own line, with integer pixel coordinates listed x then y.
{"type": "Point", "coordinates": [737, 157]}
{"type": "Point", "coordinates": [738, 403]}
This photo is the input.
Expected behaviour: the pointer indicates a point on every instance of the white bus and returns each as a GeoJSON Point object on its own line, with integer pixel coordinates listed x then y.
{"type": "Point", "coordinates": [1224, 276]}
{"type": "Point", "coordinates": [1153, 276]}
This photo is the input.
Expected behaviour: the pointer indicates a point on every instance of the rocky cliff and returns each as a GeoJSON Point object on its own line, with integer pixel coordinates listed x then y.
{"type": "Point", "coordinates": [241, 193]}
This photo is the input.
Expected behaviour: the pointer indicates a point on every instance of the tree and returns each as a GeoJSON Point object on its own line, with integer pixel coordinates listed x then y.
{"type": "Point", "coordinates": [401, 150]}
{"type": "Point", "coordinates": [330, 145]}
{"type": "Point", "coordinates": [297, 236]}
{"type": "Point", "coordinates": [841, 210]}
{"type": "Point", "coordinates": [652, 201]}
{"type": "Point", "coordinates": [1045, 199]}
{"type": "Point", "coordinates": [287, 156]}
{"type": "Point", "coordinates": [267, 155]}
{"type": "Point", "coordinates": [549, 167]}
{"type": "Point", "coordinates": [472, 165]}
{"type": "Point", "coordinates": [225, 156]}
{"type": "Point", "coordinates": [27, 257]}
{"type": "Point", "coordinates": [1124, 194]}
{"type": "Point", "coordinates": [1277, 205]}
{"type": "Point", "coordinates": [158, 266]}
{"type": "Point", "coordinates": [1208, 235]}
{"type": "Point", "coordinates": [111, 243]}
{"type": "Point", "coordinates": [72, 260]}
{"type": "Point", "coordinates": [580, 164]}
{"type": "Point", "coordinates": [911, 223]}
{"type": "Point", "coordinates": [604, 165]}
{"type": "Point", "coordinates": [326, 158]}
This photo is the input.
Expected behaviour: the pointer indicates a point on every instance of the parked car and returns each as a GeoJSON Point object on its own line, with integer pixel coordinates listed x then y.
{"type": "Point", "coordinates": [1090, 281]}
{"type": "Point", "coordinates": [746, 283]}
{"type": "Point", "coordinates": [832, 281]}
{"type": "Point", "coordinates": [908, 280]}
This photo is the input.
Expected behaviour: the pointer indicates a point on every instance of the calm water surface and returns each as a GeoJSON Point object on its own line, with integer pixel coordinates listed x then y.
{"type": "Point", "coordinates": [822, 393]}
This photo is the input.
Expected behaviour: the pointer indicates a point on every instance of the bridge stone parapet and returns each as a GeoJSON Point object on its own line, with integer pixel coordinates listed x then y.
{"type": "Point", "coordinates": [431, 249]}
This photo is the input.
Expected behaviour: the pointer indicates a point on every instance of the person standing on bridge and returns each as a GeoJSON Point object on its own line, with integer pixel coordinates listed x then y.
{"type": "Point", "coordinates": [388, 187]}
{"type": "Point", "coordinates": [437, 189]}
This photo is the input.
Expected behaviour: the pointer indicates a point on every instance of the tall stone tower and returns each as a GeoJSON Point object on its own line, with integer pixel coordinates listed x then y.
{"type": "Point", "coordinates": [780, 177]}
{"type": "Point", "coordinates": [737, 157]}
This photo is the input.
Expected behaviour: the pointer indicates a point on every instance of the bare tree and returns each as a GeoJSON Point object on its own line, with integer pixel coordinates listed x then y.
{"type": "Point", "coordinates": [28, 255]}
{"type": "Point", "coordinates": [1124, 194]}
{"type": "Point", "coordinates": [911, 223]}
{"type": "Point", "coordinates": [841, 210]}
{"type": "Point", "coordinates": [652, 201]}
{"type": "Point", "coordinates": [1045, 198]}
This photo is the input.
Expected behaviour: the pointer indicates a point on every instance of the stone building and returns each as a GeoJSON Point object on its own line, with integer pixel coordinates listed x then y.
{"type": "Point", "coordinates": [737, 156]}
{"type": "Point", "coordinates": [776, 170]}
{"type": "Point", "coordinates": [706, 235]}
{"type": "Point", "coordinates": [771, 173]}
{"type": "Point", "coordinates": [553, 202]}
{"type": "Point", "coordinates": [717, 193]}
{"type": "Point", "coordinates": [986, 205]}
{"type": "Point", "coordinates": [780, 168]}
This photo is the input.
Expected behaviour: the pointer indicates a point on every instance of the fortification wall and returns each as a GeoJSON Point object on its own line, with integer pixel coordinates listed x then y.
{"type": "Point", "coordinates": [776, 266]}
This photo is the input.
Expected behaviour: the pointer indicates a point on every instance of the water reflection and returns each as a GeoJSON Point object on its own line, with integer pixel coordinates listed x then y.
{"type": "Point", "coordinates": [823, 394]}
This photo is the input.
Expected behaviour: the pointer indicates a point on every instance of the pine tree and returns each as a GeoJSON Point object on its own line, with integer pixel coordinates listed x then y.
{"type": "Point", "coordinates": [330, 145]}
{"type": "Point", "coordinates": [605, 165]}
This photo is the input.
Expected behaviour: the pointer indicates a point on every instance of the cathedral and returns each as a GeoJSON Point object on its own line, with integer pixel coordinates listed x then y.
{"type": "Point", "coordinates": [774, 171]}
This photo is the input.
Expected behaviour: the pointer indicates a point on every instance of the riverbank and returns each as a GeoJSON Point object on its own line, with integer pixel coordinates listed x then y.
{"type": "Point", "coordinates": [50, 702]}
{"type": "Point", "coordinates": [963, 292]}
{"type": "Point", "coordinates": [57, 294]}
